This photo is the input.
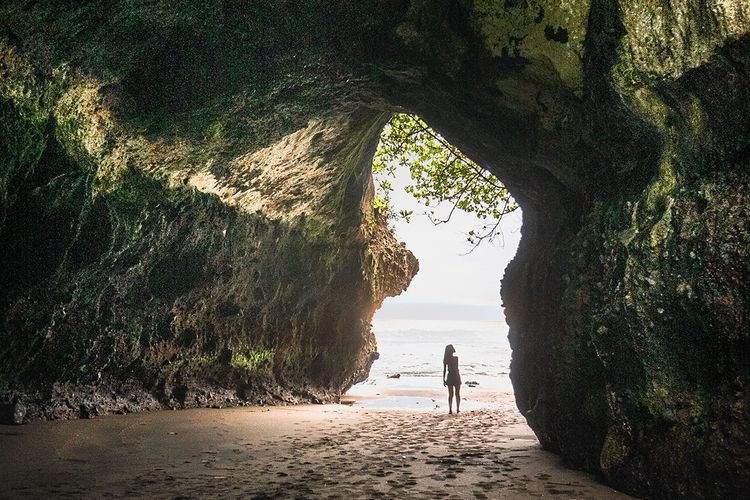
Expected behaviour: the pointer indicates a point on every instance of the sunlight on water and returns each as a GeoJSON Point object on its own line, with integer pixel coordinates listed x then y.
{"type": "Point", "coordinates": [454, 299]}
{"type": "Point", "coordinates": [414, 349]}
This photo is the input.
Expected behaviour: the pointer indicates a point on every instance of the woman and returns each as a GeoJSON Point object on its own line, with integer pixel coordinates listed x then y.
{"type": "Point", "coordinates": [453, 380]}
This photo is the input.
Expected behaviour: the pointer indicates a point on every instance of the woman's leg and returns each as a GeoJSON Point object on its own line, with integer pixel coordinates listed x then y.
{"type": "Point", "coordinates": [450, 399]}
{"type": "Point", "coordinates": [458, 398]}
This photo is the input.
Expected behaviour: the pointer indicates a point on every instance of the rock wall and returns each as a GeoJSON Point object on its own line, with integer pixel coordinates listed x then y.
{"type": "Point", "coordinates": [651, 288]}
{"type": "Point", "coordinates": [185, 195]}
{"type": "Point", "coordinates": [232, 259]}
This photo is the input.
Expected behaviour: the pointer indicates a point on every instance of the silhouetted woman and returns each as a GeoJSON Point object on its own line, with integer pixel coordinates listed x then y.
{"type": "Point", "coordinates": [453, 380]}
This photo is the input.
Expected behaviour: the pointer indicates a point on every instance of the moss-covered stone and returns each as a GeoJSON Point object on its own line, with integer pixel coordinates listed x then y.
{"type": "Point", "coordinates": [188, 254]}
{"type": "Point", "coordinates": [543, 32]}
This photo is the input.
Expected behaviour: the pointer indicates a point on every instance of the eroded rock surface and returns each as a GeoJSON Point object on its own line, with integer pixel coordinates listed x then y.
{"type": "Point", "coordinates": [186, 207]}
{"type": "Point", "coordinates": [178, 269]}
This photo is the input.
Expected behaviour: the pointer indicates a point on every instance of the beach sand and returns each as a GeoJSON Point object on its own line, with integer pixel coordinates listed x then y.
{"type": "Point", "coordinates": [364, 449]}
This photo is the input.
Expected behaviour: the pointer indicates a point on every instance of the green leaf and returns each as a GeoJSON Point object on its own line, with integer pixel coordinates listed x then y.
{"type": "Point", "coordinates": [440, 173]}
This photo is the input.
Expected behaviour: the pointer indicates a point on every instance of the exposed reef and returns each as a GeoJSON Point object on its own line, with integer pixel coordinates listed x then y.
{"type": "Point", "coordinates": [186, 208]}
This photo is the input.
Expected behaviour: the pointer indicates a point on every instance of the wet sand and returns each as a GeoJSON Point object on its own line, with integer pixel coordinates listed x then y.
{"type": "Point", "coordinates": [352, 450]}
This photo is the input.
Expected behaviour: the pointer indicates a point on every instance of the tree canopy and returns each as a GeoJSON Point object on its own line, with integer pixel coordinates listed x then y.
{"type": "Point", "coordinates": [440, 174]}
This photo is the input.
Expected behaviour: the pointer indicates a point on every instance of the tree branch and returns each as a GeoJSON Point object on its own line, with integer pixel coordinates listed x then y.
{"type": "Point", "coordinates": [455, 151]}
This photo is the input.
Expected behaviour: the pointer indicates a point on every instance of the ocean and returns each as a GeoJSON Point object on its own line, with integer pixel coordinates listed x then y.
{"type": "Point", "coordinates": [414, 350]}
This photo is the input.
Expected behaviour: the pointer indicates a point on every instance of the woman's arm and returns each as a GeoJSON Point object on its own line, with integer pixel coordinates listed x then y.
{"type": "Point", "coordinates": [444, 367]}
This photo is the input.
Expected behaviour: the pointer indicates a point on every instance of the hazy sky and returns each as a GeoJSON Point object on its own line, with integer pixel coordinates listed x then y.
{"type": "Point", "coordinates": [445, 275]}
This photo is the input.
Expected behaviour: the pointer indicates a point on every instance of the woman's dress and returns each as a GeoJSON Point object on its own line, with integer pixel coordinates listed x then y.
{"type": "Point", "coordinates": [453, 378]}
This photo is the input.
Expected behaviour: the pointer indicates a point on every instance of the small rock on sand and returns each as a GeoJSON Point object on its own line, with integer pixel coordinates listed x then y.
{"type": "Point", "coordinates": [12, 413]}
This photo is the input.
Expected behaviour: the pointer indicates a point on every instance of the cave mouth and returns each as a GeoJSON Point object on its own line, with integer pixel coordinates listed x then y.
{"type": "Point", "coordinates": [455, 297]}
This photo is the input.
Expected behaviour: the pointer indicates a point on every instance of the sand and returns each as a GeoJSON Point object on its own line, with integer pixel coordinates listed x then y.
{"type": "Point", "coordinates": [362, 450]}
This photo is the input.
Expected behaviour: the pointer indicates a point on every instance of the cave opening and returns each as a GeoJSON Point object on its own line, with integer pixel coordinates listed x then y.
{"type": "Point", "coordinates": [464, 228]}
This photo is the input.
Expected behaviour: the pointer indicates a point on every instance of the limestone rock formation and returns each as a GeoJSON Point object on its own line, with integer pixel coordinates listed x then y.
{"type": "Point", "coordinates": [185, 208]}
{"type": "Point", "coordinates": [240, 261]}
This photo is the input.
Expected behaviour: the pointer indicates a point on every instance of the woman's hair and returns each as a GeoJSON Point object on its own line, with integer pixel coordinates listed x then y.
{"type": "Point", "coordinates": [449, 350]}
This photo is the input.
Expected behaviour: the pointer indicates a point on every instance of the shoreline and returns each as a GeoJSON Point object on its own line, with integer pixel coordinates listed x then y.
{"type": "Point", "coordinates": [419, 399]}
{"type": "Point", "coordinates": [312, 451]}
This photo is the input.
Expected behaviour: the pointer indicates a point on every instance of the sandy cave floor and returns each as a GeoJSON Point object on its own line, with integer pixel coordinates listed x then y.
{"type": "Point", "coordinates": [320, 451]}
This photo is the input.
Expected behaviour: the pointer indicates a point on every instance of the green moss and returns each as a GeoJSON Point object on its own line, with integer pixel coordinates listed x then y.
{"type": "Point", "coordinates": [201, 361]}
{"type": "Point", "coordinates": [645, 280]}
{"type": "Point", "coordinates": [539, 32]}
{"type": "Point", "coordinates": [253, 359]}
{"type": "Point", "coordinates": [704, 27]}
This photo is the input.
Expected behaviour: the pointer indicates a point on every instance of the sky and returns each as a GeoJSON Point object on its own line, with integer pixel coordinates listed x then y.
{"type": "Point", "coordinates": [445, 275]}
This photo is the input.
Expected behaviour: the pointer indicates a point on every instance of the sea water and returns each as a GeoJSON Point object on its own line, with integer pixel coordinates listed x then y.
{"type": "Point", "coordinates": [413, 351]}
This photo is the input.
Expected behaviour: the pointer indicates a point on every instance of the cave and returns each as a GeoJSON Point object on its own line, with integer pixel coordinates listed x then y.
{"type": "Point", "coordinates": [186, 209]}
